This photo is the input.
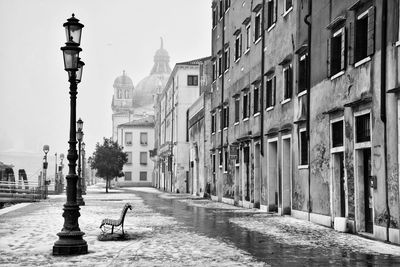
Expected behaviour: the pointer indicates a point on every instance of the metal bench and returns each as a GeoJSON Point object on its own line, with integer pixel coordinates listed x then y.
{"type": "Point", "coordinates": [107, 224]}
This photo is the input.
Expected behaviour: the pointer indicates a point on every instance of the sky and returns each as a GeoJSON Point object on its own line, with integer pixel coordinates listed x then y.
{"type": "Point", "coordinates": [118, 35]}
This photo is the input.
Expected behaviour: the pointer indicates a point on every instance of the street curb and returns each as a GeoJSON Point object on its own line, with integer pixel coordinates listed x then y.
{"type": "Point", "coordinates": [14, 207]}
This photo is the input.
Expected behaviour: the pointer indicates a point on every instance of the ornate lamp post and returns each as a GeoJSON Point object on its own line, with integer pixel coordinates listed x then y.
{"type": "Point", "coordinates": [60, 169]}
{"type": "Point", "coordinates": [83, 179]}
{"type": "Point", "coordinates": [79, 137]}
{"type": "Point", "coordinates": [46, 150]}
{"type": "Point", "coordinates": [71, 237]}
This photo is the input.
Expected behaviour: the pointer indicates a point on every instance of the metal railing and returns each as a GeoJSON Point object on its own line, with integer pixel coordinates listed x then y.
{"type": "Point", "coordinates": [22, 191]}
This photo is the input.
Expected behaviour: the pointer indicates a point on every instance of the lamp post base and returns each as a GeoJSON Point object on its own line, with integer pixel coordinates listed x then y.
{"type": "Point", "coordinates": [70, 243]}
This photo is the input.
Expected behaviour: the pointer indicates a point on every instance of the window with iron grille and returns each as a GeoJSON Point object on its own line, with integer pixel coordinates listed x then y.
{"type": "Point", "coordinates": [337, 134]}
{"type": "Point", "coordinates": [287, 82]}
{"type": "Point", "coordinates": [245, 105]}
{"type": "Point", "coordinates": [238, 46]}
{"type": "Point", "coordinates": [128, 176]}
{"type": "Point", "coordinates": [192, 80]}
{"type": "Point", "coordinates": [256, 100]}
{"type": "Point", "coordinates": [270, 92]}
{"type": "Point", "coordinates": [303, 147]}
{"type": "Point", "coordinates": [303, 73]}
{"type": "Point", "coordinates": [237, 107]}
{"type": "Point", "coordinates": [143, 176]}
{"type": "Point", "coordinates": [143, 139]}
{"type": "Point", "coordinates": [363, 130]}
{"type": "Point", "coordinates": [143, 158]}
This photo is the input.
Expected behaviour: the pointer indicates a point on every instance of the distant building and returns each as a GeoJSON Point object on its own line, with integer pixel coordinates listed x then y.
{"type": "Point", "coordinates": [137, 137]}
{"type": "Point", "coordinates": [181, 90]}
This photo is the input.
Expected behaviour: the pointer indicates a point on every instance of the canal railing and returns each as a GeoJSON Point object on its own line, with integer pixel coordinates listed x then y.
{"type": "Point", "coordinates": [22, 192]}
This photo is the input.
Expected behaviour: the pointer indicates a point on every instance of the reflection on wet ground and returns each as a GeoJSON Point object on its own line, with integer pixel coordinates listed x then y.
{"type": "Point", "coordinates": [209, 222]}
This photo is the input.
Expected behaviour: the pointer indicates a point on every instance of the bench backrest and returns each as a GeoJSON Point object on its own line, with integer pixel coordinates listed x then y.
{"type": "Point", "coordinates": [123, 212]}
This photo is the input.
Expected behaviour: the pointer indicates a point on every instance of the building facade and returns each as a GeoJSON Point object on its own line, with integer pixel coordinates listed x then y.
{"type": "Point", "coordinates": [304, 111]}
{"type": "Point", "coordinates": [137, 138]}
{"type": "Point", "coordinates": [181, 90]}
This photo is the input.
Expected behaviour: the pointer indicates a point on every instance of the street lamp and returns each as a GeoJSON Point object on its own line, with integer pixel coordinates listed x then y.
{"type": "Point", "coordinates": [79, 137]}
{"type": "Point", "coordinates": [83, 179]}
{"type": "Point", "coordinates": [46, 150]}
{"type": "Point", "coordinates": [71, 240]}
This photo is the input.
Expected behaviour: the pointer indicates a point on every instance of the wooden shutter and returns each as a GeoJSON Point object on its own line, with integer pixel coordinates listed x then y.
{"type": "Point", "coordinates": [351, 43]}
{"type": "Point", "coordinates": [328, 57]}
{"type": "Point", "coordinates": [371, 31]}
{"type": "Point", "coordinates": [343, 50]}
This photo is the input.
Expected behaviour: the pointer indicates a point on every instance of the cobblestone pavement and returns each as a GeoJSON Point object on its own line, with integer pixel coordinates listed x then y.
{"type": "Point", "coordinates": [181, 230]}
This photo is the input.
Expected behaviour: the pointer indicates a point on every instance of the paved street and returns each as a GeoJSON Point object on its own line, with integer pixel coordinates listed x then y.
{"type": "Point", "coordinates": [175, 230]}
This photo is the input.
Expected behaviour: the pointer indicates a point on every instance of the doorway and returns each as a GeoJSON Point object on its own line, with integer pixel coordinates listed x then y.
{"type": "Point", "coordinates": [339, 185]}
{"type": "Point", "coordinates": [272, 175]}
{"type": "Point", "coordinates": [285, 178]}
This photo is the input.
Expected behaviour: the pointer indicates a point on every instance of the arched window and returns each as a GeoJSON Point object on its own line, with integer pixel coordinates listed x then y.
{"type": "Point", "coordinates": [126, 94]}
{"type": "Point", "coordinates": [119, 93]}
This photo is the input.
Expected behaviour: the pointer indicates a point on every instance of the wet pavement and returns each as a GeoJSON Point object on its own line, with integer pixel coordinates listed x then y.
{"type": "Point", "coordinates": [216, 224]}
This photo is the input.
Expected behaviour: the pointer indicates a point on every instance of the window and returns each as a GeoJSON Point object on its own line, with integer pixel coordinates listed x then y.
{"type": "Point", "coordinates": [363, 132]}
{"type": "Point", "coordinates": [128, 139]}
{"type": "Point", "coordinates": [143, 176]}
{"type": "Point", "coordinates": [220, 158]}
{"type": "Point", "coordinates": [220, 65]}
{"type": "Point", "coordinates": [221, 9]}
{"type": "Point", "coordinates": [226, 58]}
{"type": "Point", "coordinates": [337, 134]}
{"type": "Point", "coordinates": [270, 92]}
{"type": "Point", "coordinates": [237, 106]}
{"type": "Point", "coordinates": [214, 16]}
{"type": "Point", "coordinates": [256, 100]}
{"type": "Point", "coordinates": [272, 9]}
{"type": "Point", "coordinates": [215, 71]}
{"type": "Point", "coordinates": [288, 5]}
{"type": "Point", "coordinates": [287, 82]}
{"type": "Point", "coordinates": [237, 161]}
{"type": "Point", "coordinates": [248, 36]}
{"type": "Point", "coordinates": [337, 54]}
{"type": "Point", "coordinates": [303, 73]}
{"type": "Point", "coordinates": [226, 117]}
{"type": "Point", "coordinates": [219, 117]}
{"type": "Point", "coordinates": [128, 176]}
{"type": "Point", "coordinates": [192, 80]}
{"type": "Point", "coordinates": [303, 147]}
{"type": "Point", "coordinates": [213, 123]}
{"type": "Point", "coordinates": [226, 160]}
{"type": "Point", "coordinates": [257, 27]}
{"type": "Point", "coordinates": [214, 163]}
{"type": "Point", "coordinates": [143, 158]}
{"type": "Point", "coordinates": [129, 154]}
{"type": "Point", "coordinates": [238, 46]}
{"type": "Point", "coordinates": [246, 106]}
{"type": "Point", "coordinates": [227, 4]}
{"type": "Point", "coordinates": [364, 35]}
{"type": "Point", "coordinates": [143, 139]}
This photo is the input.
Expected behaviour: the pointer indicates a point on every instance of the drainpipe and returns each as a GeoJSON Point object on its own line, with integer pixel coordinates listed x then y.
{"type": "Point", "coordinates": [222, 89]}
{"type": "Point", "coordinates": [306, 20]}
{"type": "Point", "coordinates": [262, 81]}
{"type": "Point", "coordinates": [383, 107]}
{"type": "Point", "coordinates": [172, 129]}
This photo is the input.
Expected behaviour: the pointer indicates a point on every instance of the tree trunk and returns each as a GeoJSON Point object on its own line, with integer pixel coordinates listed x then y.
{"type": "Point", "coordinates": [107, 181]}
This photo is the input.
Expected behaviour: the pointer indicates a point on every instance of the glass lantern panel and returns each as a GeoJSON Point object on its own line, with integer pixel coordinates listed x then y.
{"type": "Point", "coordinates": [79, 74]}
{"type": "Point", "coordinates": [70, 59]}
{"type": "Point", "coordinates": [73, 31]}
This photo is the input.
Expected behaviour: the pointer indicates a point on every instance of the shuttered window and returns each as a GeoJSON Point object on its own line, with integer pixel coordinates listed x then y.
{"type": "Point", "coordinates": [128, 176]}
{"type": "Point", "coordinates": [256, 100]}
{"type": "Point", "coordinates": [143, 158]}
{"type": "Point", "coordinates": [143, 176]}
{"type": "Point", "coordinates": [303, 73]}
{"type": "Point", "coordinates": [237, 107]}
{"type": "Point", "coordinates": [270, 92]}
{"type": "Point", "coordinates": [287, 82]}
{"type": "Point", "coordinates": [128, 139]}
{"type": "Point", "coordinates": [245, 106]}
{"type": "Point", "coordinates": [336, 52]}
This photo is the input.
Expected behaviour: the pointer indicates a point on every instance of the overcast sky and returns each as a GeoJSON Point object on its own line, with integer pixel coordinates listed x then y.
{"type": "Point", "coordinates": [118, 35]}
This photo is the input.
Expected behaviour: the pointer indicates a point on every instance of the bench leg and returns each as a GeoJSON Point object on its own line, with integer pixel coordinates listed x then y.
{"type": "Point", "coordinates": [123, 229]}
{"type": "Point", "coordinates": [112, 229]}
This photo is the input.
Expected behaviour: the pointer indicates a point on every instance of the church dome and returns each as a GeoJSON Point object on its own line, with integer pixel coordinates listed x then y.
{"type": "Point", "coordinates": [152, 84]}
{"type": "Point", "coordinates": [123, 81]}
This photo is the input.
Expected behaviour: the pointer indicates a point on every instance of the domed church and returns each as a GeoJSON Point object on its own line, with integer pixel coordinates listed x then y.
{"type": "Point", "coordinates": [131, 103]}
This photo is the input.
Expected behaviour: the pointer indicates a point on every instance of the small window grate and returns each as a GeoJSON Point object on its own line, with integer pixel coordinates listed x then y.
{"type": "Point", "coordinates": [363, 130]}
